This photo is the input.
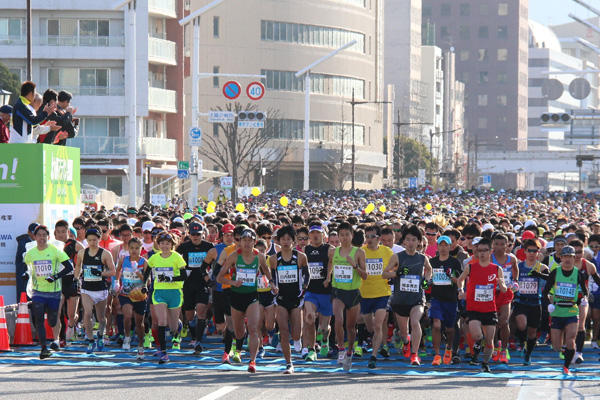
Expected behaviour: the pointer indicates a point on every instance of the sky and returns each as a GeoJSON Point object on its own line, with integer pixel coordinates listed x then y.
{"type": "Point", "coordinates": [555, 12]}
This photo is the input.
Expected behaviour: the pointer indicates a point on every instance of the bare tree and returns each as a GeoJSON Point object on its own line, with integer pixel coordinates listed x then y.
{"type": "Point", "coordinates": [240, 151]}
{"type": "Point", "coordinates": [337, 169]}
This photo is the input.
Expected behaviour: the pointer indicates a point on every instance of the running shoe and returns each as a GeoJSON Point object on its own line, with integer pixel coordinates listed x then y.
{"type": "Point", "coordinates": [101, 344]}
{"type": "Point", "coordinates": [397, 341]}
{"type": "Point", "coordinates": [184, 331]}
{"type": "Point", "coordinates": [304, 353]}
{"type": "Point", "coordinates": [485, 367]}
{"type": "Point", "coordinates": [252, 367]}
{"type": "Point", "coordinates": [406, 348]}
{"type": "Point", "coordinates": [372, 363]}
{"type": "Point", "coordinates": [324, 350]}
{"type": "Point", "coordinates": [473, 361]}
{"type": "Point", "coordinates": [176, 342]}
{"type": "Point", "coordinates": [127, 343]}
{"type": "Point", "coordinates": [384, 351]}
{"type": "Point", "coordinates": [456, 360]}
{"type": "Point", "coordinates": [120, 340]}
{"type": "Point", "coordinates": [512, 345]}
{"type": "Point", "coordinates": [225, 359]}
{"type": "Point", "coordinates": [437, 360]}
{"type": "Point", "coordinates": [147, 341]}
{"type": "Point", "coordinates": [266, 340]}
{"type": "Point", "coordinates": [415, 360]}
{"type": "Point", "coordinates": [140, 353]}
{"type": "Point", "coordinates": [496, 354]}
{"type": "Point", "coordinates": [595, 344]}
{"type": "Point", "coordinates": [520, 351]}
{"type": "Point", "coordinates": [347, 363]}
{"type": "Point", "coordinates": [561, 355]}
{"type": "Point", "coordinates": [70, 334]}
{"type": "Point", "coordinates": [261, 352]}
{"type": "Point", "coordinates": [503, 358]}
{"type": "Point", "coordinates": [567, 372]}
{"type": "Point", "coordinates": [578, 358]}
{"type": "Point", "coordinates": [319, 337]}
{"type": "Point", "coordinates": [237, 357]}
{"type": "Point", "coordinates": [422, 352]}
{"type": "Point", "coordinates": [527, 359]}
{"type": "Point", "coordinates": [198, 349]}
{"type": "Point", "coordinates": [447, 357]}
{"type": "Point", "coordinates": [543, 337]}
{"type": "Point", "coordinates": [341, 356]}
{"type": "Point", "coordinates": [289, 369]}
{"type": "Point", "coordinates": [311, 356]}
{"type": "Point", "coordinates": [164, 358]}
{"type": "Point", "coordinates": [62, 343]}
{"type": "Point", "coordinates": [297, 346]}
{"type": "Point", "coordinates": [278, 349]}
{"type": "Point", "coordinates": [91, 347]}
{"type": "Point", "coordinates": [358, 351]}
{"type": "Point", "coordinates": [55, 345]}
{"type": "Point", "coordinates": [45, 353]}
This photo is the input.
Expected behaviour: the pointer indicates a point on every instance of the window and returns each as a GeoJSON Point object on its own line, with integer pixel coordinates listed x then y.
{"type": "Point", "coordinates": [482, 123]}
{"type": "Point", "coordinates": [482, 55]}
{"type": "Point", "coordinates": [464, 76]}
{"type": "Point", "coordinates": [446, 10]}
{"type": "Point", "coordinates": [333, 85]}
{"type": "Point", "coordinates": [215, 130]}
{"type": "Point", "coordinates": [93, 81]}
{"type": "Point", "coordinates": [216, 27]}
{"type": "Point", "coordinates": [463, 55]}
{"type": "Point", "coordinates": [538, 62]}
{"type": "Point", "coordinates": [444, 32]}
{"type": "Point", "coordinates": [115, 184]}
{"type": "Point", "coordinates": [503, 9]}
{"type": "Point", "coordinates": [483, 10]}
{"type": "Point", "coordinates": [482, 100]}
{"type": "Point", "coordinates": [502, 54]}
{"type": "Point", "coordinates": [502, 32]}
{"type": "Point", "coordinates": [502, 78]}
{"type": "Point", "coordinates": [463, 32]}
{"type": "Point", "coordinates": [501, 100]}
{"type": "Point", "coordinates": [93, 32]}
{"type": "Point", "coordinates": [465, 9]}
{"type": "Point", "coordinates": [483, 77]}
{"type": "Point", "coordinates": [72, 32]}
{"type": "Point", "coordinates": [427, 10]}
{"type": "Point", "coordinates": [483, 32]}
{"type": "Point", "coordinates": [12, 30]}
{"type": "Point", "coordinates": [502, 123]}
{"type": "Point", "coordinates": [216, 78]}
{"type": "Point", "coordinates": [19, 72]}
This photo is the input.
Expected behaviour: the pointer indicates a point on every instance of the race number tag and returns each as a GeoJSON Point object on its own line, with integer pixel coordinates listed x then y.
{"type": "Point", "coordinates": [316, 270]}
{"type": "Point", "coordinates": [342, 273]}
{"type": "Point", "coordinates": [287, 273]}
{"type": "Point", "coordinates": [43, 268]}
{"type": "Point", "coordinates": [440, 278]}
{"type": "Point", "coordinates": [262, 282]}
{"type": "Point", "coordinates": [166, 271]}
{"type": "Point", "coordinates": [246, 275]}
{"type": "Point", "coordinates": [507, 274]}
{"type": "Point", "coordinates": [565, 291]}
{"type": "Point", "coordinates": [374, 266]}
{"type": "Point", "coordinates": [410, 283]}
{"type": "Point", "coordinates": [195, 259]}
{"type": "Point", "coordinates": [484, 293]}
{"type": "Point", "coordinates": [87, 273]}
{"type": "Point", "coordinates": [528, 285]}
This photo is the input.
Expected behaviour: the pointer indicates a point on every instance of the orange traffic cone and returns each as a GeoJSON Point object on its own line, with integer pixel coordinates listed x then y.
{"type": "Point", "coordinates": [23, 335]}
{"type": "Point", "coordinates": [49, 333]}
{"type": "Point", "coordinates": [4, 339]}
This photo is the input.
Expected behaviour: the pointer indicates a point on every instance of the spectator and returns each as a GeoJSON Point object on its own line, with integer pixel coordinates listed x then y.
{"type": "Point", "coordinates": [20, 266]}
{"type": "Point", "coordinates": [5, 113]}
{"type": "Point", "coordinates": [24, 116]}
{"type": "Point", "coordinates": [63, 117]}
{"type": "Point", "coordinates": [45, 127]}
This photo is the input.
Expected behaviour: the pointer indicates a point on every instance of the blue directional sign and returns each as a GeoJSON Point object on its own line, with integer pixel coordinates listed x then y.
{"type": "Point", "coordinates": [412, 183]}
{"type": "Point", "coordinates": [183, 173]}
{"type": "Point", "coordinates": [195, 136]}
{"type": "Point", "coordinates": [487, 179]}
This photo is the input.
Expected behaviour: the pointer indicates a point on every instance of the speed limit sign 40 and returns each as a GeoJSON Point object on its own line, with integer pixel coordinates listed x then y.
{"type": "Point", "coordinates": [255, 91]}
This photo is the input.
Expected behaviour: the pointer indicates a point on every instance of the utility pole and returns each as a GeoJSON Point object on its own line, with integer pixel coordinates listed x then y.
{"type": "Point", "coordinates": [147, 196]}
{"type": "Point", "coordinates": [29, 44]}
{"type": "Point", "coordinates": [431, 134]}
{"type": "Point", "coordinates": [354, 102]}
{"type": "Point", "coordinates": [400, 149]}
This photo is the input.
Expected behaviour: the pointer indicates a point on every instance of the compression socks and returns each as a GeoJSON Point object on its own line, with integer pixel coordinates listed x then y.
{"type": "Point", "coordinates": [200, 329]}
{"type": "Point", "coordinates": [192, 327]}
{"type": "Point", "coordinates": [477, 347]}
{"type": "Point", "coordinates": [531, 345]}
{"type": "Point", "coordinates": [568, 357]}
{"type": "Point", "coordinates": [228, 340]}
{"type": "Point", "coordinates": [363, 334]}
{"type": "Point", "coordinates": [579, 341]}
{"type": "Point", "coordinates": [521, 335]}
{"type": "Point", "coordinates": [120, 325]}
{"type": "Point", "coordinates": [162, 337]}
{"type": "Point", "coordinates": [156, 337]}
{"type": "Point", "coordinates": [239, 344]}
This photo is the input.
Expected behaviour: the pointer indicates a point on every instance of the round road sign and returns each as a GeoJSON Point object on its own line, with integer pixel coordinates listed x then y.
{"type": "Point", "coordinates": [579, 88]}
{"type": "Point", "coordinates": [255, 91]}
{"type": "Point", "coordinates": [232, 90]}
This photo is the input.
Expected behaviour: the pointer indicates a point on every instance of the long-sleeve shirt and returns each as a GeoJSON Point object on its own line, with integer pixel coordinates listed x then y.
{"type": "Point", "coordinates": [23, 118]}
{"type": "Point", "coordinates": [4, 132]}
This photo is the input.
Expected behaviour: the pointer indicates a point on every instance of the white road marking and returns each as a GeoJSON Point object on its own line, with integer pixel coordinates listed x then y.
{"type": "Point", "coordinates": [514, 382]}
{"type": "Point", "coordinates": [219, 393]}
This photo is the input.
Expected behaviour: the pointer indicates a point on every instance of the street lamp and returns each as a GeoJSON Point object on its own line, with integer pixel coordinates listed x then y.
{"type": "Point", "coordinates": [195, 19]}
{"type": "Point", "coordinates": [4, 96]}
{"type": "Point", "coordinates": [306, 72]}
{"type": "Point", "coordinates": [431, 134]}
{"type": "Point", "coordinates": [353, 103]}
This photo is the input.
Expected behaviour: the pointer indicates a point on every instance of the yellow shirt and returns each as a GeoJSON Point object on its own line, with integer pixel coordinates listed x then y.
{"type": "Point", "coordinates": [169, 266]}
{"type": "Point", "coordinates": [376, 261]}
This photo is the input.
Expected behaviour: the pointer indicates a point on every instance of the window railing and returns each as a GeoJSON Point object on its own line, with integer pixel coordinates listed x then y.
{"type": "Point", "coordinates": [117, 146]}
{"type": "Point", "coordinates": [162, 49]}
{"type": "Point", "coordinates": [91, 90]}
{"type": "Point", "coordinates": [89, 41]}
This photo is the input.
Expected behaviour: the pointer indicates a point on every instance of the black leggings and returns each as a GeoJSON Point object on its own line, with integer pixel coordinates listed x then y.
{"type": "Point", "coordinates": [39, 309]}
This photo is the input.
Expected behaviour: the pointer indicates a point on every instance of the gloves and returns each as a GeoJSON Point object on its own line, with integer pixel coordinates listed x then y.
{"type": "Point", "coordinates": [144, 290]}
{"type": "Point", "coordinates": [403, 271]}
{"type": "Point", "coordinates": [210, 283]}
{"type": "Point", "coordinates": [25, 277]}
{"type": "Point", "coordinates": [51, 279]}
{"type": "Point", "coordinates": [448, 272]}
{"type": "Point", "coordinates": [514, 286]}
{"type": "Point", "coordinates": [96, 272]}
{"type": "Point", "coordinates": [302, 293]}
{"type": "Point", "coordinates": [425, 285]}
{"type": "Point", "coordinates": [164, 278]}
{"type": "Point", "coordinates": [584, 302]}
{"type": "Point", "coordinates": [551, 308]}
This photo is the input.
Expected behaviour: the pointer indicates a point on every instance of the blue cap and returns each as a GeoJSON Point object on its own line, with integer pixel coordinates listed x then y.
{"type": "Point", "coordinates": [6, 109]}
{"type": "Point", "coordinates": [444, 238]}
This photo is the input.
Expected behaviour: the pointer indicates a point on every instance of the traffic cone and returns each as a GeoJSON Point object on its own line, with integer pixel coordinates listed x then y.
{"type": "Point", "coordinates": [4, 339]}
{"type": "Point", "coordinates": [49, 333]}
{"type": "Point", "coordinates": [23, 335]}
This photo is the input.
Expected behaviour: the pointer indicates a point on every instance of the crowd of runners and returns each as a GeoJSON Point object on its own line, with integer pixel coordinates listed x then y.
{"type": "Point", "coordinates": [476, 275]}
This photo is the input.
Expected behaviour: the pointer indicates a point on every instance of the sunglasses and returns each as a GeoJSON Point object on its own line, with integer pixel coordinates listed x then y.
{"type": "Point", "coordinates": [303, 238]}
{"type": "Point", "coordinates": [147, 232]}
{"type": "Point", "coordinates": [78, 227]}
{"type": "Point", "coordinates": [195, 234]}
{"type": "Point", "coordinates": [165, 236]}
{"type": "Point", "coordinates": [484, 250]}
{"type": "Point", "coordinates": [430, 234]}
{"type": "Point", "coordinates": [371, 236]}
{"type": "Point", "coordinates": [104, 231]}
{"type": "Point", "coordinates": [266, 237]}
{"type": "Point", "coordinates": [397, 230]}
{"type": "Point", "coordinates": [532, 250]}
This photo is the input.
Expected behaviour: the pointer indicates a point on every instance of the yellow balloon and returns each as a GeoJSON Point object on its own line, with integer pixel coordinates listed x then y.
{"type": "Point", "coordinates": [382, 209]}
{"type": "Point", "coordinates": [299, 202]}
{"type": "Point", "coordinates": [240, 207]}
{"type": "Point", "coordinates": [370, 208]}
{"type": "Point", "coordinates": [255, 191]}
{"type": "Point", "coordinates": [284, 201]}
{"type": "Point", "coordinates": [210, 209]}
{"type": "Point", "coordinates": [211, 204]}
{"type": "Point", "coordinates": [428, 206]}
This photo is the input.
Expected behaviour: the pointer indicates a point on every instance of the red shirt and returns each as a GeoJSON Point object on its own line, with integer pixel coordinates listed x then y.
{"type": "Point", "coordinates": [4, 132]}
{"type": "Point", "coordinates": [481, 288]}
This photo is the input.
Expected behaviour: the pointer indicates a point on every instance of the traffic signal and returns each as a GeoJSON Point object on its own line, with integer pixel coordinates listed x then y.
{"type": "Point", "coordinates": [556, 118]}
{"type": "Point", "coordinates": [252, 116]}
{"type": "Point", "coordinates": [583, 157]}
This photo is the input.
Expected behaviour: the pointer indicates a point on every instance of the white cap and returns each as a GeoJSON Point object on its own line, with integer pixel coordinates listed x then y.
{"type": "Point", "coordinates": [179, 219]}
{"type": "Point", "coordinates": [131, 221]}
{"type": "Point", "coordinates": [529, 223]}
{"type": "Point", "coordinates": [476, 240]}
{"type": "Point", "coordinates": [147, 226]}
{"type": "Point", "coordinates": [488, 226]}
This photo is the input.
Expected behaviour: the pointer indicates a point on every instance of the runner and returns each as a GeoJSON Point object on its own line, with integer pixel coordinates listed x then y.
{"type": "Point", "coordinates": [94, 265]}
{"type": "Point", "coordinates": [444, 302]}
{"type": "Point", "coordinates": [594, 289]}
{"type": "Point", "coordinates": [244, 265]}
{"type": "Point", "coordinates": [375, 291]}
{"type": "Point", "coordinates": [292, 278]}
{"type": "Point", "coordinates": [169, 273]}
{"type": "Point", "coordinates": [484, 277]}
{"type": "Point", "coordinates": [409, 269]}
{"type": "Point", "coordinates": [347, 263]}
{"type": "Point", "coordinates": [44, 262]}
{"type": "Point", "coordinates": [528, 299]}
{"type": "Point", "coordinates": [564, 307]}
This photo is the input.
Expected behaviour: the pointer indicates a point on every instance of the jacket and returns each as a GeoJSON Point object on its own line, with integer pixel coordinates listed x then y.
{"type": "Point", "coordinates": [23, 118]}
{"type": "Point", "coordinates": [4, 132]}
{"type": "Point", "coordinates": [65, 121]}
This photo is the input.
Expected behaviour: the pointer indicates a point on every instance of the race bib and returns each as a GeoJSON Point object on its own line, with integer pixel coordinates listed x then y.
{"type": "Point", "coordinates": [130, 276]}
{"type": "Point", "coordinates": [528, 285]}
{"type": "Point", "coordinates": [262, 282]}
{"type": "Point", "coordinates": [440, 278]}
{"type": "Point", "coordinates": [565, 291]}
{"type": "Point", "coordinates": [484, 293]}
{"type": "Point", "coordinates": [195, 259]}
{"type": "Point", "coordinates": [247, 276]}
{"type": "Point", "coordinates": [507, 274]}
{"type": "Point", "coordinates": [287, 273]}
{"type": "Point", "coordinates": [87, 273]}
{"type": "Point", "coordinates": [374, 266]}
{"type": "Point", "coordinates": [166, 271]}
{"type": "Point", "coordinates": [316, 270]}
{"type": "Point", "coordinates": [342, 273]}
{"type": "Point", "coordinates": [410, 283]}
{"type": "Point", "coordinates": [43, 268]}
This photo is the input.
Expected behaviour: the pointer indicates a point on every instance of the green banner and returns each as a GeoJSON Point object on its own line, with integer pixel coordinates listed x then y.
{"type": "Point", "coordinates": [39, 173]}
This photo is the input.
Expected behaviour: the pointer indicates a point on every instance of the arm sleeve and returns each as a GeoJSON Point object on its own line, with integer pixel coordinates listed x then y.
{"type": "Point", "coordinates": [305, 275]}
{"type": "Point", "coordinates": [549, 283]}
{"type": "Point", "coordinates": [68, 267]}
{"type": "Point", "coordinates": [182, 275]}
{"type": "Point", "coordinates": [539, 275]}
{"type": "Point", "coordinates": [596, 278]}
{"type": "Point", "coordinates": [581, 282]}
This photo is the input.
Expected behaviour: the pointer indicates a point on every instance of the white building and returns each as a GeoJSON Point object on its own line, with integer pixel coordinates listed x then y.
{"type": "Point", "coordinates": [432, 74]}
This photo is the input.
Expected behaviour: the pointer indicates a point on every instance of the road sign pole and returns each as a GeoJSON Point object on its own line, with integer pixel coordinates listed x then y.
{"type": "Point", "coordinates": [195, 89]}
{"type": "Point", "coordinates": [306, 127]}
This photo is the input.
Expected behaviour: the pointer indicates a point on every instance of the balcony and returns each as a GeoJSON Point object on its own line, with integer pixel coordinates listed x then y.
{"type": "Point", "coordinates": [116, 147]}
{"type": "Point", "coordinates": [65, 47]}
{"type": "Point", "coordinates": [161, 51]}
{"type": "Point", "coordinates": [162, 100]}
{"type": "Point", "coordinates": [163, 8]}
{"type": "Point", "coordinates": [90, 90]}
